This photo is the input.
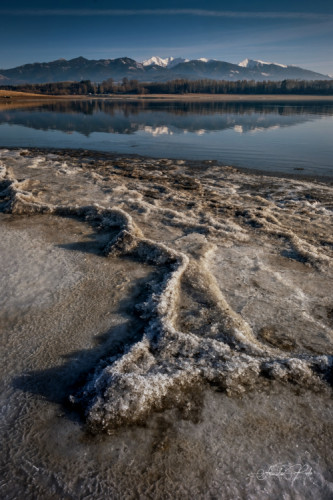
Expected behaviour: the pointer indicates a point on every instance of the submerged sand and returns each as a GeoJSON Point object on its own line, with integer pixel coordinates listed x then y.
{"type": "Point", "coordinates": [167, 329]}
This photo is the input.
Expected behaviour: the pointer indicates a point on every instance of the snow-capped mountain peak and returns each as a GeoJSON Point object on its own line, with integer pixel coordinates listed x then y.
{"type": "Point", "coordinates": [167, 62]}
{"type": "Point", "coordinates": [157, 61]}
{"type": "Point", "coordinates": [252, 63]}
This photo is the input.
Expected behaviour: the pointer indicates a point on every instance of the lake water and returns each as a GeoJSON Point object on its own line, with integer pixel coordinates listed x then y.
{"type": "Point", "coordinates": [281, 137]}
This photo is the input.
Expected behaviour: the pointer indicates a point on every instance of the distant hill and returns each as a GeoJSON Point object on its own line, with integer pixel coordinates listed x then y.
{"type": "Point", "coordinates": [154, 69]}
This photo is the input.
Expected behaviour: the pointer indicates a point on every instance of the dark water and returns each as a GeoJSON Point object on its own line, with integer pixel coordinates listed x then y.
{"type": "Point", "coordinates": [284, 137]}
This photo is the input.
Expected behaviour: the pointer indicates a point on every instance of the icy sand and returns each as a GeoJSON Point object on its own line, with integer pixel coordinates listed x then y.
{"type": "Point", "coordinates": [166, 330]}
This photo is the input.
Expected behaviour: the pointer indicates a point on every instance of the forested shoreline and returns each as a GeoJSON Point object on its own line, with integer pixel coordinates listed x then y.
{"type": "Point", "coordinates": [180, 86]}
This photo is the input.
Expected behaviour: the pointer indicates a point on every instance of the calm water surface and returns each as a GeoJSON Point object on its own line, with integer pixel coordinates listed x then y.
{"type": "Point", "coordinates": [283, 137]}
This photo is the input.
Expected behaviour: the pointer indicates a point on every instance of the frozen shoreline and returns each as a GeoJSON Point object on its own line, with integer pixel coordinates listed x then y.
{"type": "Point", "coordinates": [236, 271]}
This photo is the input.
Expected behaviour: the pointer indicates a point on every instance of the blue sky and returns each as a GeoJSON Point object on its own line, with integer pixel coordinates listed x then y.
{"type": "Point", "coordinates": [290, 32]}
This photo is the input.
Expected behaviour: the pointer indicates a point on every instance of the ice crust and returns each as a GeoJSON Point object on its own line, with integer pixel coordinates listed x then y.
{"type": "Point", "coordinates": [174, 356]}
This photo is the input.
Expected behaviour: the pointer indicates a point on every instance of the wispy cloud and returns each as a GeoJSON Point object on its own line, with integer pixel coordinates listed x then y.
{"type": "Point", "coordinates": [166, 12]}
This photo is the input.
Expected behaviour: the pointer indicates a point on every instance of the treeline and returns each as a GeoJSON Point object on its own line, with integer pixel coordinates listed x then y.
{"type": "Point", "coordinates": [180, 86]}
{"type": "Point", "coordinates": [84, 87]}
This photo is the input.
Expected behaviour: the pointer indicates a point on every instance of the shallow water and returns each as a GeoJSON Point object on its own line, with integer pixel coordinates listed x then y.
{"type": "Point", "coordinates": [283, 137]}
{"type": "Point", "coordinates": [173, 341]}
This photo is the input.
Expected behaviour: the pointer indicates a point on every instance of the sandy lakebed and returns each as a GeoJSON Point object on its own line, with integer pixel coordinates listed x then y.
{"type": "Point", "coordinates": [166, 330]}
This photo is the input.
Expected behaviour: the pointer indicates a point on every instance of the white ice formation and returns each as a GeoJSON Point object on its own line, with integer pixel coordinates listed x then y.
{"type": "Point", "coordinates": [174, 357]}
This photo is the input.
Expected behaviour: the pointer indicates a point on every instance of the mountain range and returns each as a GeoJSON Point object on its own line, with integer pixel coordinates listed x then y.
{"type": "Point", "coordinates": [153, 69]}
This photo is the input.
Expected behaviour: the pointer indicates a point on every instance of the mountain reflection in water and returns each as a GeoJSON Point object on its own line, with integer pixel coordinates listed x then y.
{"type": "Point", "coordinates": [193, 130]}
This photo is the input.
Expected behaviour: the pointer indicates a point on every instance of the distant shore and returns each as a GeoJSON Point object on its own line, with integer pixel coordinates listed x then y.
{"type": "Point", "coordinates": [13, 100]}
